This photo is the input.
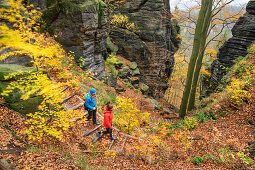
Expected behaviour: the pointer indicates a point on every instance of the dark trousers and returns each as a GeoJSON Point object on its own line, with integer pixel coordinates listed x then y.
{"type": "Point", "coordinates": [93, 115]}
{"type": "Point", "coordinates": [108, 130]}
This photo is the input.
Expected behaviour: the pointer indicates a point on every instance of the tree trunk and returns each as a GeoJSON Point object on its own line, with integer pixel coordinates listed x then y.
{"type": "Point", "coordinates": [193, 59]}
{"type": "Point", "coordinates": [207, 22]}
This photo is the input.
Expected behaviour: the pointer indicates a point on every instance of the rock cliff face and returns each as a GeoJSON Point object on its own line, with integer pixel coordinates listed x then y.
{"type": "Point", "coordinates": [243, 36]}
{"type": "Point", "coordinates": [153, 45]}
{"type": "Point", "coordinates": [82, 32]}
{"type": "Point", "coordinates": [78, 29]}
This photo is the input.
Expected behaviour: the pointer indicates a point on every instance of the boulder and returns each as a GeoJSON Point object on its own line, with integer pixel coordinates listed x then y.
{"type": "Point", "coordinates": [20, 59]}
{"type": "Point", "coordinates": [124, 73]}
{"type": "Point", "coordinates": [144, 88]}
{"type": "Point", "coordinates": [169, 112]}
{"type": "Point", "coordinates": [136, 72]}
{"type": "Point", "coordinates": [13, 99]}
{"type": "Point", "coordinates": [79, 29]}
{"type": "Point", "coordinates": [133, 65]}
{"type": "Point", "coordinates": [155, 104]}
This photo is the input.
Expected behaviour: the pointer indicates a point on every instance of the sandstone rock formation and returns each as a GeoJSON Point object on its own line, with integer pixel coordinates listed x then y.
{"type": "Point", "coordinates": [78, 29]}
{"type": "Point", "coordinates": [153, 45]}
{"type": "Point", "coordinates": [243, 36]}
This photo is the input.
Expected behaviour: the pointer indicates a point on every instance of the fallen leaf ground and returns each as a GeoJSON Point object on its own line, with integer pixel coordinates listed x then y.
{"type": "Point", "coordinates": [74, 151]}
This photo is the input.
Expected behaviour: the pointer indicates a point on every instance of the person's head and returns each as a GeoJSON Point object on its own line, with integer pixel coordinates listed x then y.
{"type": "Point", "coordinates": [92, 91]}
{"type": "Point", "coordinates": [109, 106]}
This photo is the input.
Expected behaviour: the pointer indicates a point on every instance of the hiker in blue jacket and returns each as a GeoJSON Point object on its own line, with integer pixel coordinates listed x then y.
{"type": "Point", "coordinates": [91, 105]}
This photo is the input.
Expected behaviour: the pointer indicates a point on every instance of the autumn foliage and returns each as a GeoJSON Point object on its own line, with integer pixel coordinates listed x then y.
{"type": "Point", "coordinates": [22, 39]}
{"type": "Point", "coordinates": [128, 117]}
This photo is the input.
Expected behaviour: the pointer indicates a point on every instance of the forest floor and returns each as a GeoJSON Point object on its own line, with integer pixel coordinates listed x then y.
{"type": "Point", "coordinates": [219, 139]}
{"type": "Point", "coordinates": [231, 131]}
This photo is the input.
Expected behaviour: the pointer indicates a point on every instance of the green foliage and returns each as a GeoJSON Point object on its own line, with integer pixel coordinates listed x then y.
{"type": "Point", "coordinates": [204, 116]}
{"type": "Point", "coordinates": [133, 65]}
{"type": "Point", "coordinates": [33, 148]}
{"type": "Point", "coordinates": [228, 157]}
{"type": "Point", "coordinates": [197, 160]}
{"type": "Point", "coordinates": [223, 113]}
{"type": "Point", "coordinates": [245, 159]}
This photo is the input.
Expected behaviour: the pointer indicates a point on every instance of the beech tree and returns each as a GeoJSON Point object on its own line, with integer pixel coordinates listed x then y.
{"type": "Point", "coordinates": [208, 20]}
{"type": "Point", "coordinates": [201, 32]}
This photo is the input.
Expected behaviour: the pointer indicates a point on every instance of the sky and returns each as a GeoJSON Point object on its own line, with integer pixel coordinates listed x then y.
{"type": "Point", "coordinates": [180, 3]}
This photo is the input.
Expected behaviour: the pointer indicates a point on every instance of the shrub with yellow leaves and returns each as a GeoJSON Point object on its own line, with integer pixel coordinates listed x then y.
{"type": "Point", "coordinates": [51, 119]}
{"type": "Point", "coordinates": [122, 21]}
{"type": "Point", "coordinates": [127, 116]}
{"type": "Point", "coordinates": [237, 92]}
{"type": "Point", "coordinates": [189, 123]}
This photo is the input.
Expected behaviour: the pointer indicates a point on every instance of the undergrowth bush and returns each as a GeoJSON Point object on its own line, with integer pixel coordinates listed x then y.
{"type": "Point", "coordinates": [197, 160]}
{"type": "Point", "coordinates": [237, 92]}
{"type": "Point", "coordinates": [127, 116]}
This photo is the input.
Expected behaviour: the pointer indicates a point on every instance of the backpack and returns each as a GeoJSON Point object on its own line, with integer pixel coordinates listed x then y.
{"type": "Point", "coordinates": [85, 107]}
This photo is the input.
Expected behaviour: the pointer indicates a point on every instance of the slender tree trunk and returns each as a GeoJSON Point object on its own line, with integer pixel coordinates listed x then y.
{"type": "Point", "coordinates": [207, 22]}
{"type": "Point", "coordinates": [194, 56]}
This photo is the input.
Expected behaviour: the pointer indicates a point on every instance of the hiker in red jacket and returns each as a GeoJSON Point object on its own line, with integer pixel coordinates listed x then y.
{"type": "Point", "coordinates": [108, 121]}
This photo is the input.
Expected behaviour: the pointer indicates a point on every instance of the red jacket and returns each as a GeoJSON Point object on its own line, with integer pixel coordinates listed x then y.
{"type": "Point", "coordinates": [108, 119]}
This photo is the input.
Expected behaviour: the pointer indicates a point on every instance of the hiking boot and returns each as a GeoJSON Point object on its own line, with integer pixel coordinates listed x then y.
{"type": "Point", "coordinates": [96, 123]}
{"type": "Point", "coordinates": [112, 138]}
{"type": "Point", "coordinates": [99, 134]}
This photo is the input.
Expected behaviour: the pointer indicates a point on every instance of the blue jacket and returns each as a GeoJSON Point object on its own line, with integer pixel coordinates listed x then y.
{"type": "Point", "coordinates": [90, 103]}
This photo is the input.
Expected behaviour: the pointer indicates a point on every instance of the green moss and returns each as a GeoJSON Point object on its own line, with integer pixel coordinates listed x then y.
{"type": "Point", "coordinates": [6, 69]}
{"type": "Point", "coordinates": [27, 106]}
{"type": "Point", "coordinates": [3, 86]}
{"type": "Point", "coordinates": [133, 65]}
{"type": "Point", "coordinates": [124, 73]}
{"type": "Point", "coordinates": [144, 88]}
{"type": "Point", "coordinates": [13, 99]}
{"type": "Point", "coordinates": [51, 12]}
{"type": "Point", "coordinates": [111, 46]}
{"type": "Point", "coordinates": [136, 72]}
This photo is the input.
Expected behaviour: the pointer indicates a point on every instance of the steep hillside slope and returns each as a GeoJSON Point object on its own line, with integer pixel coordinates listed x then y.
{"type": "Point", "coordinates": [219, 135]}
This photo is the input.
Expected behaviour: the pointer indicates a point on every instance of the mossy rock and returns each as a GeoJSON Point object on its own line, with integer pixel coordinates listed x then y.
{"type": "Point", "coordinates": [136, 72]}
{"type": "Point", "coordinates": [124, 73]}
{"type": "Point", "coordinates": [111, 46]}
{"type": "Point", "coordinates": [27, 106]}
{"type": "Point", "coordinates": [6, 69]}
{"type": "Point", "coordinates": [134, 80]}
{"type": "Point", "coordinates": [3, 85]}
{"type": "Point", "coordinates": [13, 99]}
{"type": "Point", "coordinates": [155, 104]}
{"type": "Point", "coordinates": [119, 64]}
{"type": "Point", "coordinates": [136, 86]}
{"type": "Point", "coordinates": [133, 65]}
{"type": "Point", "coordinates": [144, 88]}
{"type": "Point", "coordinates": [52, 11]}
